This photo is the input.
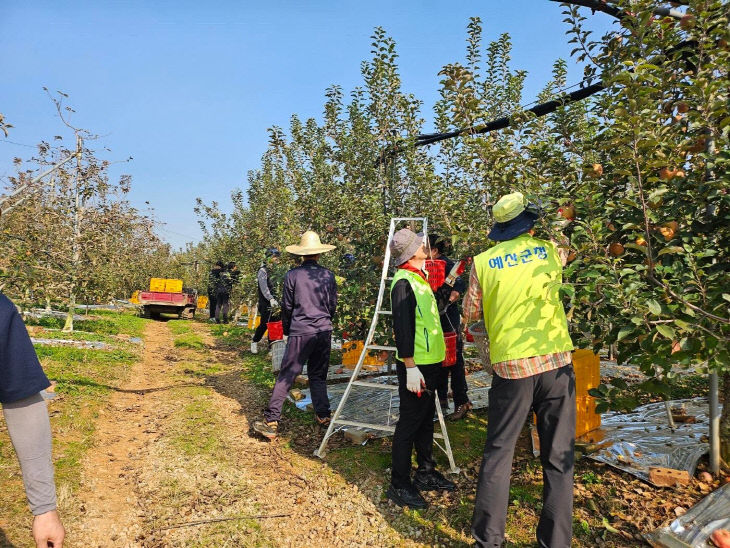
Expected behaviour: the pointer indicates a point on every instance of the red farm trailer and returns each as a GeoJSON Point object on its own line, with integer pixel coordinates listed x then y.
{"type": "Point", "coordinates": [154, 303]}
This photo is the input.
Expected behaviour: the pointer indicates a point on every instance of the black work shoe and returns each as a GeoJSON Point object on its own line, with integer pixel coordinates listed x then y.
{"type": "Point", "coordinates": [432, 481]}
{"type": "Point", "coordinates": [269, 430]}
{"type": "Point", "coordinates": [406, 497]}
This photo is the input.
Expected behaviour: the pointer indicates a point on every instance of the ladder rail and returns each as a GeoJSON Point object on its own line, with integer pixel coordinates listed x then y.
{"type": "Point", "coordinates": [320, 452]}
{"type": "Point", "coordinates": [336, 420]}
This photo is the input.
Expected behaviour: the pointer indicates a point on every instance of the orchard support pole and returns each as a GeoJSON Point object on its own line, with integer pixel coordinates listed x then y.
{"type": "Point", "coordinates": [714, 379]}
{"type": "Point", "coordinates": [715, 424]}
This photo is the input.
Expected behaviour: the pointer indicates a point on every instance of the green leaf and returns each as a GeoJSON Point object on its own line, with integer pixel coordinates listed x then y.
{"type": "Point", "coordinates": [682, 324]}
{"type": "Point", "coordinates": [609, 527]}
{"type": "Point", "coordinates": [602, 407]}
{"type": "Point", "coordinates": [654, 307]}
{"type": "Point", "coordinates": [670, 249]}
{"type": "Point", "coordinates": [624, 332]}
{"type": "Point", "coordinates": [667, 331]}
{"type": "Point", "coordinates": [620, 384]}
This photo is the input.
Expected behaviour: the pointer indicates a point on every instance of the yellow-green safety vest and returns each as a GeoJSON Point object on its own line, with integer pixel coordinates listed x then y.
{"type": "Point", "coordinates": [429, 346]}
{"type": "Point", "coordinates": [523, 314]}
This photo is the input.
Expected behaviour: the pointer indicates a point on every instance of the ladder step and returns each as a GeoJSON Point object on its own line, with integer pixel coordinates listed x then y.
{"type": "Point", "coordinates": [380, 347]}
{"type": "Point", "coordinates": [375, 385]}
{"type": "Point", "coordinates": [381, 427]}
{"type": "Point", "coordinates": [386, 312]}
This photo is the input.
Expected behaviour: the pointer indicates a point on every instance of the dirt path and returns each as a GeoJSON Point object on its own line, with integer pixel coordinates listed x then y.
{"type": "Point", "coordinates": [175, 465]}
{"type": "Point", "coordinates": [107, 500]}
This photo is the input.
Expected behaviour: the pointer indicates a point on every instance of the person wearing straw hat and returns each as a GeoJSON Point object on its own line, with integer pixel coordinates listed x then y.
{"type": "Point", "coordinates": [420, 346]}
{"type": "Point", "coordinates": [308, 306]}
{"type": "Point", "coordinates": [515, 286]}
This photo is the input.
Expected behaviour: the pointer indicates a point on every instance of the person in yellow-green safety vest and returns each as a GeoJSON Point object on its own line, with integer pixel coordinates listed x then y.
{"type": "Point", "coordinates": [420, 346]}
{"type": "Point", "coordinates": [515, 286]}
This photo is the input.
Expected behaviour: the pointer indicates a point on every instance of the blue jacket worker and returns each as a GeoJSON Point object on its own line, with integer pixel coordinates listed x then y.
{"type": "Point", "coordinates": [419, 341]}
{"type": "Point", "coordinates": [21, 381]}
{"type": "Point", "coordinates": [308, 307]}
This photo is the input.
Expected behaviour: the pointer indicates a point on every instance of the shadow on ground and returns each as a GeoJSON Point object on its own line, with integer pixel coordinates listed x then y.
{"type": "Point", "coordinates": [445, 522]}
{"type": "Point", "coordinates": [4, 542]}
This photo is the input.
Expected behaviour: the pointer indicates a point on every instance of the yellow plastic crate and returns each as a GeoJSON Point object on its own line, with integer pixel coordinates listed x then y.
{"type": "Point", "coordinates": [351, 351]}
{"type": "Point", "coordinates": [173, 286]}
{"type": "Point", "coordinates": [134, 298]}
{"type": "Point", "coordinates": [587, 367]}
{"type": "Point", "coordinates": [586, 418]}
{"type": "Point", "coordinates": [202, 302]}
{"type": "Point", "coordinates": [254, 324]}
{"type": "Point", "coordinates": [157, 284]}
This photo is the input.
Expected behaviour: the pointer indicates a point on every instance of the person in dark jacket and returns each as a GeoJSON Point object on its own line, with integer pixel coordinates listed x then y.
{"type": "Point", "coordinates": [223, 288]}
{"type": "Point", "coordinates": [21, 381]}
{"type": "Point", "coordinates": [212, 283]}
{"type": "Point", "coordinates": [447, 298]}
{"type": "Point", "coordinates": [420, 346]}
{"type": "Point", "coordinates": [267, 300]}
{"type": "Point", "coordinates": [308, 306]}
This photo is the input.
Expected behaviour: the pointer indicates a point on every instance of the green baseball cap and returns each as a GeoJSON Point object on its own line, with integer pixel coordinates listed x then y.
{"type": "Point", "coordinates": [512, 217]}
{"type": "Point", "coordinates": [509, 206]}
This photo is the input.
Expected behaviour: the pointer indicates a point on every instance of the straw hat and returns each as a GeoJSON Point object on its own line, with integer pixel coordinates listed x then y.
{"type": "Point", "coordinates": [309, 245]}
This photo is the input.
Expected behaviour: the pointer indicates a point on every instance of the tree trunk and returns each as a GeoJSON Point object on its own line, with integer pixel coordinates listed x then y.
{"type": "Point", "coordinates": [75, 244]}
{"type": "Point", "coordinates": [725, 417]}
{"type": "Point", "coordinates": [69, 325]}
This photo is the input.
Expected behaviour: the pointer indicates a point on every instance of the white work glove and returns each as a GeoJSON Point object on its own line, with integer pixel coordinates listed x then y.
{"type": "Point", "coordinates": [414, 380]}
{"type": "Point", "coordinates": [274, 303]}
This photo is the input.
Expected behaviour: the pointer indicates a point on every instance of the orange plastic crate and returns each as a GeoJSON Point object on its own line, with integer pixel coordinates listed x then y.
{"type": "Point", "coordinates": [587, 367]}
{"type": "Point", "coordinates": [351, 351]}
{"type": "Point", "coordinates": [586, 418]}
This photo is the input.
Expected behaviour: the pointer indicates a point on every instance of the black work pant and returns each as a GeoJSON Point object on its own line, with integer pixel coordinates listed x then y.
{"type": "Point", "coordinates": [458, 379]}
{"type": "Point", "coordinates": [552, 396]}
{"type": "Point", "coordinates": [414, 427]}
{"type": "Point", "coordinates": [314, 350]}
{"type": "Point", "coordinates": [265, 313]}
{"type": "Point", "coordinates": [221, 307]}
{"type": "Point", "coordinates": [211, 304]}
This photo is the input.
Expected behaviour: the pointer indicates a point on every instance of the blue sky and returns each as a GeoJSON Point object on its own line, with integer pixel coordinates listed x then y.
{"type": "Point", "coordinates": [188, 88]}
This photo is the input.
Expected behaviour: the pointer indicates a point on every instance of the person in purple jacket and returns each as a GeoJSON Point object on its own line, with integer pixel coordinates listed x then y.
{"type": "Point", "coordinates": [308, 307]}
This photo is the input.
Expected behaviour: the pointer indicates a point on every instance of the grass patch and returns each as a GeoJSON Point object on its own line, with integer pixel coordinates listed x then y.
{"type": "Point", "coordinates": [114, 323]}
{"type": "Point", "coordinates": [256, 368]}
{"type": "Point", "coordinates": [189, 340]}
{"type": "Point", "coordinates": [105, 322]}
{"type": "Point", "coordinates": [73, 336]}
{"type": "Point", "coordinates": [178, 327]}
{"type": "Point", "coordinates": [197, 425]}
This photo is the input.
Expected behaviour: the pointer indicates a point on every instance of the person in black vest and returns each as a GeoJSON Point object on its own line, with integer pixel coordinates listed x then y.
{"type": "Point", "coordinates": [447, 298]}
{"type": "Point", "coordinates": [223, 295]}
{"type": "Point", "coordinates": [267, 301]}
{"type": "Point", "coordinates": [212, 283]}
{"type": "Point", "coordinates": [21, 381]}
{"type": "Point", "coordinates": [309, 303]}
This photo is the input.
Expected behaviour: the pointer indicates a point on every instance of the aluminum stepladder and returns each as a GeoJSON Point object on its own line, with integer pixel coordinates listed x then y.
{"type": "Point", "coordinates": [336, 420]}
